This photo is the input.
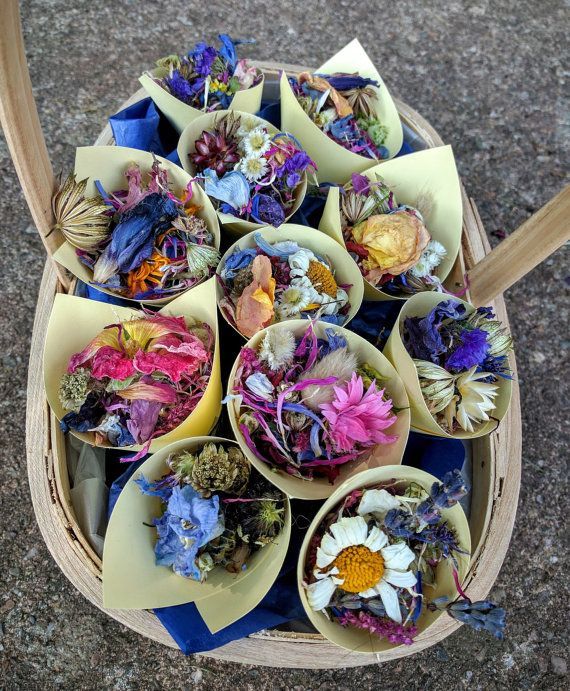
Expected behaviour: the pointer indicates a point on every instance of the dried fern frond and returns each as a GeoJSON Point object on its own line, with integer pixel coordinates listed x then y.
{"type": "Point", "coordinates": [83, 221]}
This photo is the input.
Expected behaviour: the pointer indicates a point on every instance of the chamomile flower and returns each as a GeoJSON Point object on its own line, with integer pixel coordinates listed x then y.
{"type": "Point", "coordinates": [254, 167]}
{"type": "Point", "coordinates": [300, 261]}
{"type": "Point", "coordinates": [430, 259]}
{"type": "Point", "coordinates": [293, 300]}
{"type": "Point", "coordinates": [256, 142]}
{"type": "Point", "coordinates": [354, 559]}
{"type": "Point", "coordinates": [248, 123]}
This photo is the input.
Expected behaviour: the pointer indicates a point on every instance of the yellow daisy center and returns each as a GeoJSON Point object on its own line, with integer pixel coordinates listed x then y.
{"type": "Point", "coordinates": [322, 279]}
{"type": "Point", "coordinates": [360, 568]}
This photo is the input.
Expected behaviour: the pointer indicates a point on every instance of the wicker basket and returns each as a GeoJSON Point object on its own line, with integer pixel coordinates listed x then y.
{"type": "Point", "coordinates": [495, 483]}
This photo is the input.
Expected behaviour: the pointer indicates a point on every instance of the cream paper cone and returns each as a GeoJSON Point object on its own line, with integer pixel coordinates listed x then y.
{"type": "Point", "coordinates": [180, 114]}
{"type": "Point", "coordinates": [109, 164]}
{"type": "Point", "coordinates": [422, 420]}
{"type": "Point", "coordinates": [75, 321]}
{"type": "Point", "coordinates": [430, 174]}
{"type": "Point", "coordinates": [380, 455]}
{"type": "Point", "coordinates": [334, 163]}
{"type": "Point", "coordinates": [133, 580]}
{"type": "Point", "coordinates": [346, 271]}
{"type": "Point", "coordinates": [187, 145]}
{"type": "Point", "coordinates": [357, 640]}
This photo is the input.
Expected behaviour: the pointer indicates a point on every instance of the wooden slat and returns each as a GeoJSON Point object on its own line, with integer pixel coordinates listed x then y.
{"type": "Point", "coordinates": [22, 129]}
{"type": "Point", "coordinates": [524, 249]}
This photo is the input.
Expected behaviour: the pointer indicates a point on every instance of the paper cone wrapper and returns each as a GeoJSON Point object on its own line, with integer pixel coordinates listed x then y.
{"type": "Point", "coordinates": [422, 420]}
{"type": "Point", "coordinates": [75, 321]}
{"type": "Point", "coordinates": [108, 164]}
{"type": "Point", "coordinates": [380, 455]}
{"type": "Point", "coordinates": [187, 146]}
{"type": "Point", "coordinates": [346, 271]}
{"type": "Point", "coordinates": [430, 174]}
{"type": "Point", "coordinates": [357, 640]}
{"type": "Point", "coordinates": [334, 163]}
{"type": "Point", "coordinates": [132, 579]}
{"type": "Point", "coordinates": [180, 114]}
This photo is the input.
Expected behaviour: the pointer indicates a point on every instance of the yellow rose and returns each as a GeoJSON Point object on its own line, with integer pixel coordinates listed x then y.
{"type": "Point", "coordinates": [394, 243]}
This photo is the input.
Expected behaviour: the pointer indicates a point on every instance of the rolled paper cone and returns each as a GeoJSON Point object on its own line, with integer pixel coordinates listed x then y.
{"type": "Point", "coordinates": [422, 420]}
{"type": "Point", "coordinates": [380, 455]}
{"type": "Point", "coordinates": [180, 114]}
{"type": "Point", "coordinates": [430, 174]}
{"type": "Point", "coordinates": [108, 165]}
{"type": "Point", "coordinates": [187, 145]}
{"type": "Point", "coordinates": [133, 580]}
{"type": "Point", "coordinates": [358, 640]}
{"type": "Point", "coordinates": [346, 271]}
{"type": "Point", "coordinates": [335, 163]}
{"type": "Point", "coordinates": [75, 321]}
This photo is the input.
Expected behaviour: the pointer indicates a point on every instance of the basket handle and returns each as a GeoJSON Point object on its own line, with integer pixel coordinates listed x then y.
{"type": "Point", "coordinates": [530, 244]}
{"type": "Point", "coordinates": [23, 131]}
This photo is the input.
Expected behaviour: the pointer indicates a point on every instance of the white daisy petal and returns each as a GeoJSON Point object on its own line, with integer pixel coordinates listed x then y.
{"type": "Point", "coordinates": [398, 556]}
{"type": "Point", "coordinates": [377, 501]}
{"type": "Point", "coordinates": [349, 531]}
{"type": "Point", "coordinates": [324, 559]}
{"type": "Point", "coordinates": [376, 539]}
{"type": "Point", "coordinates": [371, 592]}
{"type": "Point", "coordinates": [401, 579]}
{"type": "Point", "coordinates": [389, 599]}
{"type": "Point", "coordinates": [319, 593]}
{"type": "Point", "coordinates": [329, 545]}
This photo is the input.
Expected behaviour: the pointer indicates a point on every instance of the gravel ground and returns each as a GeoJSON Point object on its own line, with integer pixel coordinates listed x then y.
{"type": "Point", "coordinates": [490, 76]}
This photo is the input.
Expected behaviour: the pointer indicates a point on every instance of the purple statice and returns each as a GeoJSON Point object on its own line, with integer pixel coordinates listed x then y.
{"type": "Point", "coordinates": [203, 57]}
{"type": "Point", "coordinates": [179, 87]}
{"type": "Point", "coordinates": [383, 628]}
{"type": "Point", "coordinates": [266, 209]}
{"type": "Point", "coordinates": [471, 351]}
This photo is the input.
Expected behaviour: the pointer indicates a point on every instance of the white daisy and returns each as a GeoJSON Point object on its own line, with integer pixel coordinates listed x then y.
{"type": "Point", "coordinates": [292, 301]}
{"type": "Point", "coordinates": [356, 560]}
{"type": "Point", "coordinates": [256, 142]}
{"type": "Point", "coordinates": [430, 259]}
{"type": "Point", "coordinates": [248, 123]}
{"type": "Point", "coordinates": [254, 167]}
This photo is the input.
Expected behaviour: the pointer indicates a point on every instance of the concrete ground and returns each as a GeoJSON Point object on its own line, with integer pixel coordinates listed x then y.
{"type": "Point", "coordinates": [490, 76]}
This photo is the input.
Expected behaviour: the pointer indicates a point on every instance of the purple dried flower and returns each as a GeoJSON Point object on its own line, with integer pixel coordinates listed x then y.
{"type": "Point", "coordinates": [470, 352]}
{"type": "Point", "coordinates": [266, 209]}
{"type": "Point", "coordinates": [383, 628]}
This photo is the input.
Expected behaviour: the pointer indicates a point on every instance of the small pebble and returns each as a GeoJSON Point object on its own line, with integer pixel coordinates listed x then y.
{"type": "Point", "coordinates": [559, 665]}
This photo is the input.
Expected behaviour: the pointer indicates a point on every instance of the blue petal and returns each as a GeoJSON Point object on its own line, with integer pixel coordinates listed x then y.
{"type": "Point", "coordinates": [232, 188]}
{"type": "Point", "coordinates": [279, 249]}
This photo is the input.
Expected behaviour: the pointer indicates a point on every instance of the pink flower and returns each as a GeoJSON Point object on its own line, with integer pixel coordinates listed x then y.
{"type": "Point", "coordinates": [358, 418]}
{"type": "Point", "coordinates": [108, 362]}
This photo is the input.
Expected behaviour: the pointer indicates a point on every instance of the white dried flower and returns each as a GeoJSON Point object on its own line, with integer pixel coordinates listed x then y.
{"type": "Point", "coordinates": [277, 348]}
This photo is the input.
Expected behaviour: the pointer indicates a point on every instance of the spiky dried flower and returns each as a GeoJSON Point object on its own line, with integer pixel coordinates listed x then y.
{"type": "Point", "coordinates": [84, 221]}
{"type": "Point", "coordinates": [213, 469]}
{"type": "Point", "coordinates": [73, 389]}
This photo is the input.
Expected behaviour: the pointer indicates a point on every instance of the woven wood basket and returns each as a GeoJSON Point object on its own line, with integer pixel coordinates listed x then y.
{"type": "Point", "coordinates": [495, 483]}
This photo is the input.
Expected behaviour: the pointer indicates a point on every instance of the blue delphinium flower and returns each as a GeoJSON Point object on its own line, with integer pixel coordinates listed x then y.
{"type": "Point", "coordinates": [237, 261]}
{"type": "Point", "coordinates": [481, 616]}
{"type": "Point", "coordinates": [422, 336]}
{"type": "Point", "coordinates": [188, 523]}
{"type": "Point", "coordinates": [471, 351]}
{"type": "Point", "coordinates": [343, 128]}
{"type": "Point", "coordinates": [179, 87]}
{"type": "Point", "coordinates": [160, 488]}
{"type": "Point", "coordinates": [203, 56]}
{"type": "Point", "coordinates": [279, 249]}
{"type": "Point", "coordinates": [133, 238]}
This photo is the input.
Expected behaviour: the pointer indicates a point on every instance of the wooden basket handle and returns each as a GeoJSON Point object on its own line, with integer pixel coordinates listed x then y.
{"type": "Point", "coordinates": [530, 244]}
{"type": "Point", "coordinates": [23, 131]}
